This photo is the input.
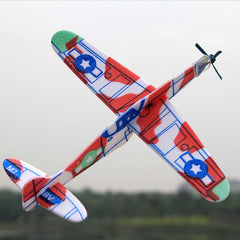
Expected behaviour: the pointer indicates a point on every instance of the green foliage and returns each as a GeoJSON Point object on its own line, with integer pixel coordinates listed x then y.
{"type": "Point", "coordinates": [116, 205]}
{"type": "Point", "coordinates": [9, 206]}
{"type": "Point", "coordinates": [123, 216]}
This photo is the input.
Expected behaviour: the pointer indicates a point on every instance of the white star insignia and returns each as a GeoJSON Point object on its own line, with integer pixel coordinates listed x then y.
{"type": "Point", "coordinates": [89, 160]}
{"type": "Point", "coordinates": [196, 169]}
{"type": "Point", "coordinates": [85, 64]}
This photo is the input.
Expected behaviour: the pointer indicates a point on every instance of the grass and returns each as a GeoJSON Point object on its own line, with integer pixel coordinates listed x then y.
{"type": "Point", "coordinates": [163, 221]}
{"type": "Point", "coordinates": [196, 227]}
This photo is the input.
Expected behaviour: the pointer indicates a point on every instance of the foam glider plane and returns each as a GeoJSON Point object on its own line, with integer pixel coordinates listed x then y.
{"type": "Point", "coordinates": [141, 109]}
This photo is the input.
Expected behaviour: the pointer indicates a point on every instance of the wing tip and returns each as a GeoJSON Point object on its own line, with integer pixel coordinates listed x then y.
{"type": "Point", "coordinates": [222, 190]}
{"type": "Point", "coordinates": [81, 216]}
{"type": "Point", "coordinates": [64, 40]}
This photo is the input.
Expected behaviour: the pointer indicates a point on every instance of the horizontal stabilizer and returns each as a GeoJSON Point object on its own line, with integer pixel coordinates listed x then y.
{"type": "Point", "coordinates": [55, 198]}
{"type": "Point", "coordinates": [40, 189]}
{"type": "Point", "coordinates": [21, 172]}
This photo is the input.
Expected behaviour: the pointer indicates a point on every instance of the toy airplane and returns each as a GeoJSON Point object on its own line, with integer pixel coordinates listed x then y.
{"type": "Point", "coordinates": [141, 109]}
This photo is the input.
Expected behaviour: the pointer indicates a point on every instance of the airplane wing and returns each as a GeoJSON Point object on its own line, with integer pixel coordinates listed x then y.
{"type": "Point", "coordinates": [162, 128]}
{"type": "Point", "coordinates": [115, 85]}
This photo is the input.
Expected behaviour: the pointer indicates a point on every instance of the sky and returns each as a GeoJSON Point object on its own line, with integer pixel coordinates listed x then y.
{"type": "Point", "coordinates": [48, 116]}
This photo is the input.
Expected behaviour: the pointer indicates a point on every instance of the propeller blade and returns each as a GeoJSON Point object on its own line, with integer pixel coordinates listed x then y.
{"type": "Point", "coordinates": [200, 49]}
{"type": "Point", "coordinates": [212, 57]}
{"type": "Point", "coordinates": [216, 54]}
{"type": "Point", "coordinates": [217, 71]}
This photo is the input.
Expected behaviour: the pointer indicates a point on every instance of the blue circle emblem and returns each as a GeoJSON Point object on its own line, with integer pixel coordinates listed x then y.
{"type": "Point", "coordinates": [196, 168]}
{"type": "Point", "coordinates": [85, 63]}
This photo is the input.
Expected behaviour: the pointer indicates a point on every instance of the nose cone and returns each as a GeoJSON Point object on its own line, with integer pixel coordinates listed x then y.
{"type": "Point", "coordinates": [222, 190]}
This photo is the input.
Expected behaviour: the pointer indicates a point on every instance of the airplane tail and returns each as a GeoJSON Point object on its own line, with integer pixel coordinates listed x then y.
{"type": "Point", "coordinates": [40, 189]}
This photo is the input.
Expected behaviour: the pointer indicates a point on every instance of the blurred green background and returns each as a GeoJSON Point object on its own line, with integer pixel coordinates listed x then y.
{"type": "Point", "coordinates": [123, 216]}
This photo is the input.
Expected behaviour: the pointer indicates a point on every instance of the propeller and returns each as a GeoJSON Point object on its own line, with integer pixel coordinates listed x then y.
{"type": "Point", "coordinates": [212, 57]}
